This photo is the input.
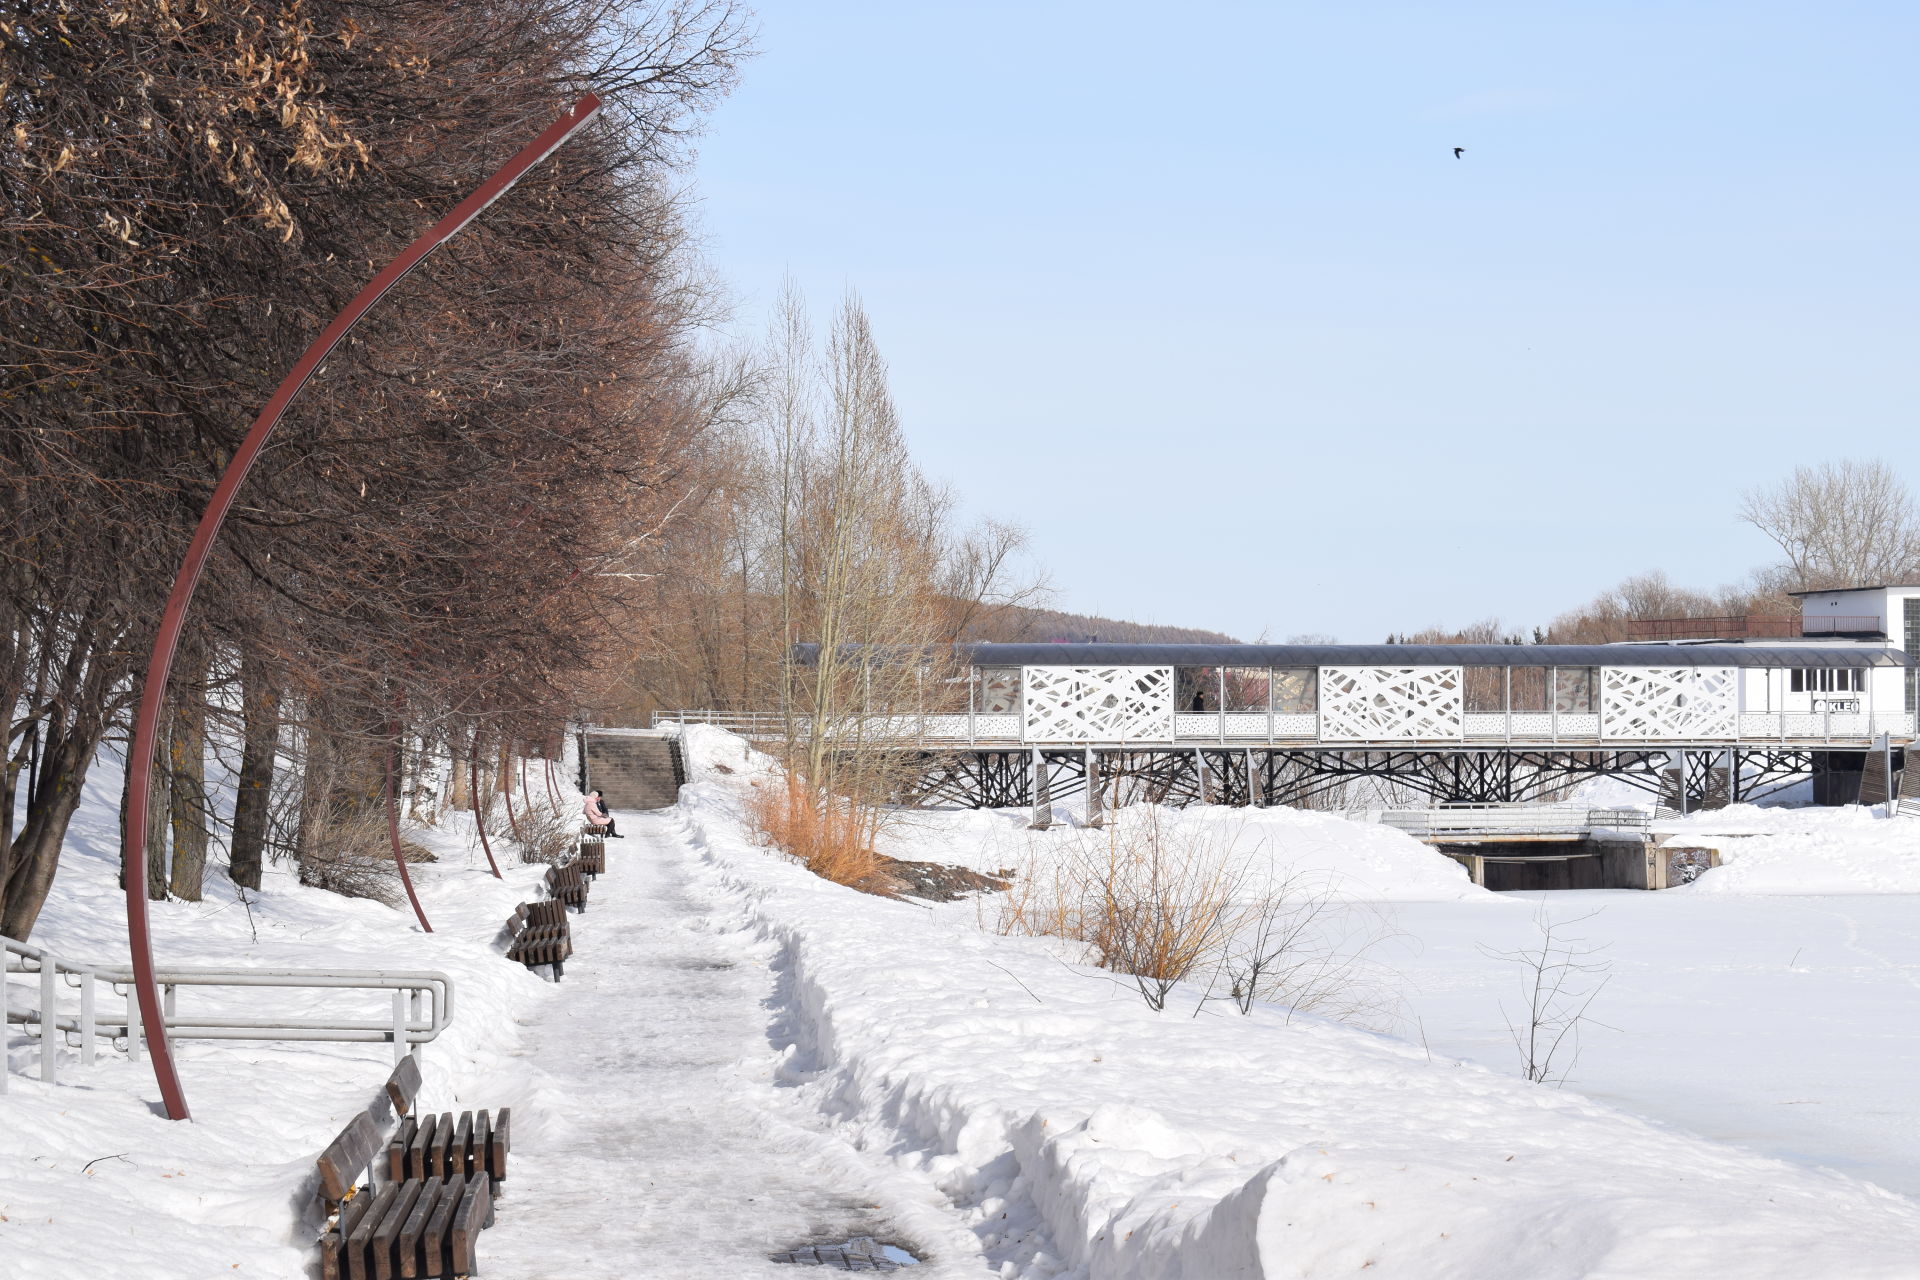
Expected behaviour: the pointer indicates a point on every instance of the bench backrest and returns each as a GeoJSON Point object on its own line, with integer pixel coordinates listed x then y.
{"type": "Point", "coordinates": [340, 1164]}
{"type": "Point", "coordinates": [404, 1085]}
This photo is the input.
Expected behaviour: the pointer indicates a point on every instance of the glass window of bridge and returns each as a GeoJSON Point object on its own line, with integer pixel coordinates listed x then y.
{"type": "Point", "coordinates": [1531, 690]}
{"type": "Point", "coordinates": [997, 693]}
{"type": "Point", "coordinates": [1196, 688]}
{"type": "Point", "coordinates": [1576, 690]}
{"type": "Point", "coordinates": [1486, 689]}
{"type": "Point", "coordinates": [1244, 689]}
{"type": "Point", "coordinates": [1296, 691]}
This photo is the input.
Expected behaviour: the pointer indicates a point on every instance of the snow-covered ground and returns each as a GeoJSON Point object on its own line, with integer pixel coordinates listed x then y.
{"type": "Point", "coordinates": [744, 1058]}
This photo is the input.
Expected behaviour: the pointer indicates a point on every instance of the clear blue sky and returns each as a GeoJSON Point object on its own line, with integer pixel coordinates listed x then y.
{"type": "Point", "coordinates": [1200, 295]}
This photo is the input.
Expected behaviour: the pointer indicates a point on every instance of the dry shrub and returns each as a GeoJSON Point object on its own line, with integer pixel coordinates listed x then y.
{"type": "Point", "coordinates": [1165, 901]}
{"type": "Point", "coordinates": [832, 836]}
{"type": "Point", "coordinates": [349, 853]}
{"type": "Point", "coordinates": [546, 834]}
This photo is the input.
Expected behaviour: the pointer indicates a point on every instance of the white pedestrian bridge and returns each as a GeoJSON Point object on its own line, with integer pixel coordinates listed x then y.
{"type": "Point", "coordinates": [1804, 694]}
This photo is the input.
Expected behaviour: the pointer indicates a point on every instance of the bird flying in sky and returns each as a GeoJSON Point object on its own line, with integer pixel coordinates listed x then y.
{"type": "Point", "coordinates": [1458, 152]}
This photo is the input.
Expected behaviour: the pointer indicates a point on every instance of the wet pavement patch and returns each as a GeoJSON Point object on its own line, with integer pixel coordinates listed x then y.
{"type": "Point", "coordinates": [862, 1253]}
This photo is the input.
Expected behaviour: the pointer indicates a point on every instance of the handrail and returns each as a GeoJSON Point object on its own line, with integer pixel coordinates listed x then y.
{"type": "Point", "coordinates": [422, 1005]}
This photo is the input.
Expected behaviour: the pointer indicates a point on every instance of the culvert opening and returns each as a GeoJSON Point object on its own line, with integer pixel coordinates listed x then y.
{"type": "Point", "coordinates": [862, 1253]}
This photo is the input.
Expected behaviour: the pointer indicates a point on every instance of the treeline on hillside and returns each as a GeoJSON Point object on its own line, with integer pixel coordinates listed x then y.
{"type": "Point", "coordinates": [1849, 523]}
{"type": "Point", "coordinates": [436, 544]}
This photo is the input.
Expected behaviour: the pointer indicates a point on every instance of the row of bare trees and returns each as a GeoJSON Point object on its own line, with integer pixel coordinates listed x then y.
{"type": "Point", "coordinates": [441, 541]}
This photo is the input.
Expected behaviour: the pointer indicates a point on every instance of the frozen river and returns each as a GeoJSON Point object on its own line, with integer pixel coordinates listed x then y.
{"type": "Point", "coordinates": [1787, 1025]}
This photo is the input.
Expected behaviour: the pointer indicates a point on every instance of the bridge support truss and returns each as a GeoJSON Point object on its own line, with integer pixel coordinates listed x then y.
{"type": "Point", "coordinates": [1332, 778]}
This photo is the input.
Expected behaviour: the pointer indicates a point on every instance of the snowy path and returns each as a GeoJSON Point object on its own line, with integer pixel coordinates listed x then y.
{"type": "Point", "coordinates": [661, 1145]}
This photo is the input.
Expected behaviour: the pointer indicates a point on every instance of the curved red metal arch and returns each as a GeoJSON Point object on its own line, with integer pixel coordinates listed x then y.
{"type": "Point", "coordinates": [160, 663]}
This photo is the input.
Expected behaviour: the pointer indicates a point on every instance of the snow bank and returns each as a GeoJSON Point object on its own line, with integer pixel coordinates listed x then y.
{"type": "Point", "coordinates": [93, 1181]}
{"type": "Point", "coordinates": [1084, 1136]}
{"type": "Point", "coordinates": [1803, 851]}
{"type": "Point", "coordinates": [1354, 861]}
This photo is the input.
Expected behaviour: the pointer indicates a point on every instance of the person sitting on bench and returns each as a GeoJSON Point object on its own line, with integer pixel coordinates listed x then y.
{"type": "Point", "coordinates": [596, 811]}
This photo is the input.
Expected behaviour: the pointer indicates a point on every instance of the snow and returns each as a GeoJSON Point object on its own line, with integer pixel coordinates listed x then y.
{"type": "Point", "coordinates": [1080, 1133]}
{"type": "Point", "coordinates": [743, 1058]}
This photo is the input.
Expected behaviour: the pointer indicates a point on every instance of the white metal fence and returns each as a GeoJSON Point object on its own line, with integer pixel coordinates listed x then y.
{"type": "Point", "coordinates": [1516, 820]}
{"type": "Point", "coordinates": [61, 1000]}
{"type": "Point", "coordinates": [1240, 728]}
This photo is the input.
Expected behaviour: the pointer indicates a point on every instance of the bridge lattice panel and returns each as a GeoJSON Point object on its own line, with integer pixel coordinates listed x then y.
{"type": "Point", "coordinates": [1099, 704]}
{"type": "Point", "coordinates": [1669, 702]}
{"type": "Point", "coordinates": [1372, 704]}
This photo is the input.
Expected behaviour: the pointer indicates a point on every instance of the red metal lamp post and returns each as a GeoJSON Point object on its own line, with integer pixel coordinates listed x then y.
{"type": "Point", "coordinates": [160, 664]}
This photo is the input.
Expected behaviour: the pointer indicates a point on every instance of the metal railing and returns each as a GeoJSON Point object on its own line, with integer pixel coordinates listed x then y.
{"type": "Point", "coordinates": [1235, 728]}
{"type": "Point", "coordinates": [1753, 626]}
{"type": "Point", "coordinates": [1517, 820]}
{"type": "Point", "coordinates": [422, 1005]}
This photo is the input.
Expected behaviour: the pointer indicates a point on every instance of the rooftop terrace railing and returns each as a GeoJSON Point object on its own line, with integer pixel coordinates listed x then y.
{"type": "Point", "coordinates": [1753, 626]}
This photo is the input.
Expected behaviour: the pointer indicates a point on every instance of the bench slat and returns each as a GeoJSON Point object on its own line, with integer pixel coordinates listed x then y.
{"type": "Point", "coordinates": [417, 1149]}
{"type": "Point", "coordinates": [461, 1149]}
{"type": "Point", "coordinates": [341, 1163]}
{"type": "Point", "coordinates": [433, 1245]}
{"type": "Point", "coordinates": [472, 1217]}
{"type": "Point", "coordinates": [499, 1143]}
{"type": "Point", "coordinates": [360, 1243]}
{"type": "Point", "coordinates": [437, 1146]}
{"type": "Point", "coordinates": [385, 1235]}
{"type": "Point", "coordinates": [397, 1149]}
{"type": "Point", "coordinates": [415, 1228]}
{"type": "Point", "coordinates": [403, 1086]}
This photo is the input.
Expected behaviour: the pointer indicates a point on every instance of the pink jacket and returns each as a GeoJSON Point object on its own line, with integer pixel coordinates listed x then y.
{"type": "Point", "coordinates": [589, 807]}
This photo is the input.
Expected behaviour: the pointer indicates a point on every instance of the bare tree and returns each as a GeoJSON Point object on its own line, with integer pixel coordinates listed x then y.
{"type": "Point", "coordinates": [1840, 524]}
{"type": "Point", "coordinates": [1559, 979]}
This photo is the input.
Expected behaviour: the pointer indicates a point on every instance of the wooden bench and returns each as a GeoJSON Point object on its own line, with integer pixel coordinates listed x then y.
{"type": "Point", "coordinates": [538, 933]}
{"type": "Point", "coordinates": [567, 884]}
{"type": "Point", "coordinates": [422, 1209]}
{"type": "Point", "coordinates": [592, 859]}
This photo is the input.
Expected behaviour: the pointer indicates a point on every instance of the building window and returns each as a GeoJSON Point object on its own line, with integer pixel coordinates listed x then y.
{"type": "Point", "coordinates": [1196, 688]}
{"type": "Point", "coordinates": [1827, 680]}
{"type": "Point", "coordinates": [1486, 689]}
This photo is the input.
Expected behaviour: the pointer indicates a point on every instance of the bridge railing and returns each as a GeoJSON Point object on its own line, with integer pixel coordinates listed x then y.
{"type": "Point", "coordinates": [1239, 728]}
{"type": "Point", "coordinates": [1492, 820]}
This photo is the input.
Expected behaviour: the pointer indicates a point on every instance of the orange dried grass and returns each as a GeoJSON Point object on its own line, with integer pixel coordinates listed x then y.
{"type": "Point", "coordinates": [831, 836]}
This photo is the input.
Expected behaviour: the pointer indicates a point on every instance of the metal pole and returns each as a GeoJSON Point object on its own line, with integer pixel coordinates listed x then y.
{"type": "Point", "coordinates": [49, 1014]}
{"type": "Point", "coordinates": [393, 830]}
{"type": "Point", "coordinates": [399, 1026]}
{"type": "Point", "coordinates": [479, 809]}
{"type": "Point", "coordinates": [89, 1023]}
{"type": "Point", "coordinates": [506, 793]}
{"type": "Point", "coordinates": [173, 618]}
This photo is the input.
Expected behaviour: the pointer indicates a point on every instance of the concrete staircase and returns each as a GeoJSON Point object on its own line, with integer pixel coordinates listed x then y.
{"type": "Point", "coordinates": [635, 769]}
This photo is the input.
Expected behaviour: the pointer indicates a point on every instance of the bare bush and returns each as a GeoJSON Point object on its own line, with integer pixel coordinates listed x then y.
{"type": "Point", "coordinates": [1292, 948]}
{"type": "Point", "coordinates": [546, 834]}
{"type": "Point", "coordinates": [349, 853]}
{"type": "Point", "coordinates": [1559, 978]}
{"type": "Point", "coordinates": [831, 836]}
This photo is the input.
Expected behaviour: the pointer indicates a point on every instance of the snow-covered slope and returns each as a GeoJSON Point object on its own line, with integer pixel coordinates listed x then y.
{"type": "Point", "coordinates": [1085, 1135]}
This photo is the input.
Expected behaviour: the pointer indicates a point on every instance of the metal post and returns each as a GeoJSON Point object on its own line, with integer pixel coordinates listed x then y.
{"type": "Point", "coordinates": [167, 1003]}
{"type": "Point", "coordinates": [153, 690]}
{"type": "Point", "coordinates": [399, 1026]}
{"type": "Point", "coordinates": [415, 1001]}
{"type": "Point", "coordinates": [49, 1014]}
{"type": "Point", "coordinates": [393, 829]}
{"type": "Point", "coordinates": [480, 810]}
{"type": "Point", "coordinates": [89, 1024]}
{"type": "Point", "coordinates": [133, 1024]}
{"type": "Point", "coordinates": [1253, 789]}
{"type": "Point", "coordinates": [1200, 775]}
{"type": "Point", "coordinates": [1042, 794]}
{"type": "Point", "coordinates": [1095, 813]}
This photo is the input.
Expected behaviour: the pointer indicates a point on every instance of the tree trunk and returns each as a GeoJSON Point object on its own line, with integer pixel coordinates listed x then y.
{"type": "Point", "coordinates": [36, 850]}
{"type": "Point", "coordinates": [187, 786]}
{"type": "Point", "coordinates": [255, 784]}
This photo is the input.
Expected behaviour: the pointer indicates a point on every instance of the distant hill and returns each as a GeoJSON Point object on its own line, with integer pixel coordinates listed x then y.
{"type": "Point", "coordinates": [1014, 623]}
